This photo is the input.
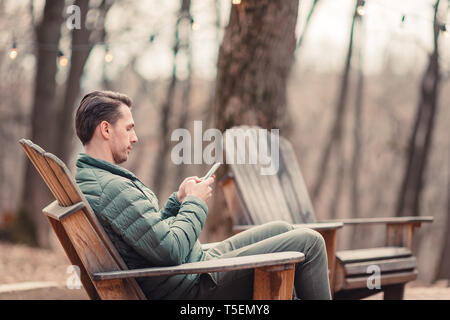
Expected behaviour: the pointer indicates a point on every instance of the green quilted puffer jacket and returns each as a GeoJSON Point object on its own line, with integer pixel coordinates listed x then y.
{"type": "Point", "coordinates": [144, 235]}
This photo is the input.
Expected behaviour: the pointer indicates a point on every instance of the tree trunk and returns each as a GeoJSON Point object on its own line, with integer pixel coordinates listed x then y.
{"type": "Point", "coordinates": [422, 133]}
{"type": "Point", "coordinates": [355, 208]}
{"type": "Point", "coordinates": [341, 106]}
{"type": "Point", "coordinates": [82, 45]}
{"type": "Point", "coordinates": [208, 112]}
{"type": "Point", "coordinates": [166, 108]}
{"type": "Point", "coordinates": [443, 271]}
{"type": "Point", "coordinates": [339, 181]}
{"type": "Point", "coordinates": [254, 61]}
{"type": "Point", "coordinates": [77, 61]}
{"type": "Point", "coordinates": [186, 96]}
{"type": "Point", "coordinates": [357, 140]}
{"type": "Point", "coordinates": [35, 194]}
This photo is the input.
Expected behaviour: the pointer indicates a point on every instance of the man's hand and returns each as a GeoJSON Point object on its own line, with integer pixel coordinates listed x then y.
{"type": "Point", "coordinates": [201, 189]}
{"type": "Point", "coordinates": [181, 194]}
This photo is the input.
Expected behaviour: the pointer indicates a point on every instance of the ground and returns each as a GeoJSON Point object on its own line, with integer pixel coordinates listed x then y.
{"type": "Point", "coordinates": [31, 273]}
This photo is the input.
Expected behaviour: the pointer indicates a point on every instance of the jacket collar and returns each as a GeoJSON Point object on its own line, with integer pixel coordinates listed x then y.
{"type": "Point", "coordinates": [85, 160]}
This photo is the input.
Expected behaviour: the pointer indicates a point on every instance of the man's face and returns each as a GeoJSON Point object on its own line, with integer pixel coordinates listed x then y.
{"type": "Point", "coordinates": [123, 136]}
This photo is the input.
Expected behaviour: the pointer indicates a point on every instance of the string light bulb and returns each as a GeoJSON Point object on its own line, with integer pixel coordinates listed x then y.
{"type": "Point", "coordinates": [62, 59]}
{"type": "Point", "coordinates": [444, 30]}
{"type": "Point", "coordinates": [108, 55]}
{"type": "Point", "coordinates": [13, 51]}
{"type": "Point", "coordinates": [360, 9]}
{"type": "Point", "coordinates": [194, 25]}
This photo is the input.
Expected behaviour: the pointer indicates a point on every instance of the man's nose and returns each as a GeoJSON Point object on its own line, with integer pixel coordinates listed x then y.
{"type": "Point", "coordinates": [134, 138]}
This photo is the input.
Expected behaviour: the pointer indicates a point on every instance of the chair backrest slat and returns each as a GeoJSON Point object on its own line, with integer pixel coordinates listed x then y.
{"type": "Point", "coordinates": [270, 184]}
{"type": "Point", "coordinates": [294, 185]}
{"type": "Point", "coordinates": [261, 193]}
{"type": "Point", "coordinates": [35, 154]}
{"type": "Point", "coordinates": [63, 176]}
{"type": "Point", "coordinates": [268, 197]}
{"type": "Point", "coordinates": [246, 175]}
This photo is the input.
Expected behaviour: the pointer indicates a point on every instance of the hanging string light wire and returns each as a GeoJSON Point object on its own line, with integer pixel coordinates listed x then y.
{"type": "Point", "coordinates": [150, 38]}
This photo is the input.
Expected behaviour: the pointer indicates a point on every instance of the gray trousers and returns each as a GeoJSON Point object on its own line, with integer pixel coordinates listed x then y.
{"type": "Point", "coordinates": [311, 275]}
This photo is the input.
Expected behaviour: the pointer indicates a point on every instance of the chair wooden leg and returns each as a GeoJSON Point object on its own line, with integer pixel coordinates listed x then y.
{"type": "Point", "coordinates": [330, 237]}
{"type": "Point", "coordinates": [274, 283]}
{"type": "Point", "coordinates": [394, 292]}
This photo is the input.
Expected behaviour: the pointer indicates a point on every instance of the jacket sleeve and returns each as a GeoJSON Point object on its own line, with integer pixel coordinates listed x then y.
{"type": "Point", "coordinates": [171, 207]}
{"type": "Point", "coordinates": [162, 241]}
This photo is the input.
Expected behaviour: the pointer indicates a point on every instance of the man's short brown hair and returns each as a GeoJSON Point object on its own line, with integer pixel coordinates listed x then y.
{"type": "Point", "coordinates": [96, 107]}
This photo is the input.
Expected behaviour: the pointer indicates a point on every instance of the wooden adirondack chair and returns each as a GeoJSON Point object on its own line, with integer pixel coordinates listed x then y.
{"type": "Point", "coordinates": [255, 199]}
{"type": "Point", "coordinates": [104, 274]}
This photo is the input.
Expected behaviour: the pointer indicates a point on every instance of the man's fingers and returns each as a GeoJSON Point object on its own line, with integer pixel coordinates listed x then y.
{"type": "Point", "coordinates": [190, 182]}
{"type": "Point", "coordinates": [208, 182]}
{"type": "Point", "coordinates": [195, 179]}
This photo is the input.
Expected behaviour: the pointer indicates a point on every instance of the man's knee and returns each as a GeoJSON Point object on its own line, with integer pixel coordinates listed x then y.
{"type": "Point", "coordinates": [280, 226]}
{"type": "Point", "coordinates": [311, 237]}
{"type": "Point", "coordinates": [320, 241]}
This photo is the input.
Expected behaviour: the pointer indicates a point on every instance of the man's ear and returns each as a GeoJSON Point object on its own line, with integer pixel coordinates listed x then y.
{"type": "Point", "coordinates": [105, 129]}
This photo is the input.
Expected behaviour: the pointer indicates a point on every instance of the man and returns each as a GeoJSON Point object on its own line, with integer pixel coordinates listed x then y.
{"type": "Point", "coordinates": [146, 236]}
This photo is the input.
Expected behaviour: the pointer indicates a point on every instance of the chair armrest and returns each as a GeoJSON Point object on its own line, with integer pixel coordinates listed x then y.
{"type": "Point", "coordinates": [319, 226]}
{"type": "Point", "coordinates": [385, 220]}
{"type": "Point", "coordinates": [214, 265]}
{"type": "Point", "coordinates": [315, 226]}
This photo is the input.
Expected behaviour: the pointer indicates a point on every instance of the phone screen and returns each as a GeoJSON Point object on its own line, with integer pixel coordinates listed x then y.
{"type": "Point", "coordinates": [212, 170]}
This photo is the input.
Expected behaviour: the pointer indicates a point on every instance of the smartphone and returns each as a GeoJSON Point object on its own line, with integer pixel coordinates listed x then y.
{"type": "Point", "coordinates": [211, 171]}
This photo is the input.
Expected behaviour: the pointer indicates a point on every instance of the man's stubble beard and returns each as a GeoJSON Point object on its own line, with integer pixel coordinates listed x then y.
{"type": "Point", "coordinates": [118, 159]}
